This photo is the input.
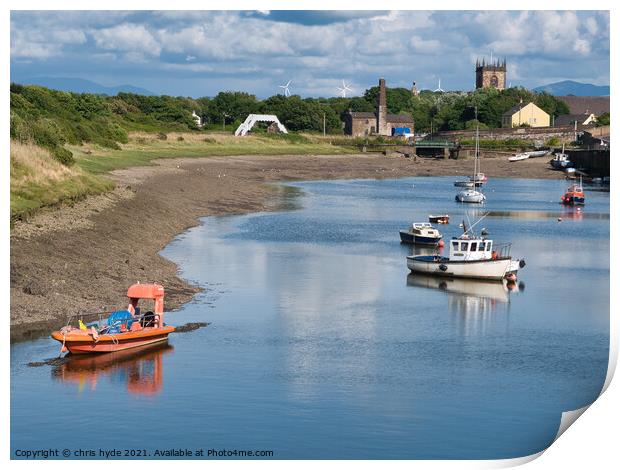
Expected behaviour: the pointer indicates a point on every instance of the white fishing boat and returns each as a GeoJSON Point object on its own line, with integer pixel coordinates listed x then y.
{"type": "Point", "coordinates": [518, 157]}
{"type": "Point", "coordinates": [469, 256]}
{"type": "Point", "coordinates": [560, 160]}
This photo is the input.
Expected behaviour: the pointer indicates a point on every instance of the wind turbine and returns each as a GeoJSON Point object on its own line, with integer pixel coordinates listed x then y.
{"type": "Point", "coordinates": [344, 89]}
{"type": "Point", "coordinates": [287, 92]}
{"type": "Point", "coordinates": [439, 87]}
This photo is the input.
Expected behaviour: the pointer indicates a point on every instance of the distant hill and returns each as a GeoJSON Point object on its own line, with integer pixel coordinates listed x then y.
{"type": "Point", "coordinates": [79, 85]}
{"type": "Point", "coordinates": [569, 87]}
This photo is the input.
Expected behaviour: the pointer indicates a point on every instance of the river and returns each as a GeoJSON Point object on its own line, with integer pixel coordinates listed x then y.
{"type": "Point", "coordinates": [320, 345]}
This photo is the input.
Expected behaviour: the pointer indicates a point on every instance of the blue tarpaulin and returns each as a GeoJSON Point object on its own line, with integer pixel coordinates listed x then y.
{"type": "Point", "coordinates": [118, 318]}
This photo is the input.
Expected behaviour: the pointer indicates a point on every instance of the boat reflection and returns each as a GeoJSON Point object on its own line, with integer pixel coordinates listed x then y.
{"type": "Point", "coordinates": [476, 303]}
{"type": "Point", "coordinates": [575, 213]}
{"type": "Point", "coordinates": [539, 215]}
{"type": "Point", "coordinates": [141, 369]}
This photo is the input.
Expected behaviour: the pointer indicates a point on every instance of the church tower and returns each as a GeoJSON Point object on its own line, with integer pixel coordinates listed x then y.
{"type": "Point", "coordinates": [491, 75]}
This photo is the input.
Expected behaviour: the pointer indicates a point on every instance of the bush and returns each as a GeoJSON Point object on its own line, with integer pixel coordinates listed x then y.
{"type": "Point", "coordinates": [63, 155]}
{"type": "Point", "coordinates": [210, 140]}
{"type": "Point", "coordinates": [162, 136]}
{"type": "Point", "coordinates": [180, 138]}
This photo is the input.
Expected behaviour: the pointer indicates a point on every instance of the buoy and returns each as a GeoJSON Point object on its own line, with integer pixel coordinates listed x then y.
{"type": "Point", "coordinates": [559, 219]}
{"type": "Point", "coordinates": [440, 244]}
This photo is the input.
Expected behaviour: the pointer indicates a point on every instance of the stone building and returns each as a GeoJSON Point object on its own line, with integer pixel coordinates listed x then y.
{"type": "Point", "coordinates": [525, 114]}
{"type": "Point", "coordinates": [359, 124]}
{"type": "Point", "coordinates": [492, 75]}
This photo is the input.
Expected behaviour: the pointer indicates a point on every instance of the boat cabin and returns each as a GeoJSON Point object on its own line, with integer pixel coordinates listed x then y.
{"type": "Point", "coordinates": [424, 229]}
{"type": "Point", "coordinates": [154, 292]}
{"type": "Point", "coordinates": [471, 249]}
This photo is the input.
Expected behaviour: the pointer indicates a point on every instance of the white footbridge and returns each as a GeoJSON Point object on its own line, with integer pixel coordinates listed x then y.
{"type": "Point", "coordinates": [252, 119]}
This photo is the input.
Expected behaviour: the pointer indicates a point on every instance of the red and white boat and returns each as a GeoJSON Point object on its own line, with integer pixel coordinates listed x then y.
{"type": "Point", "coordinates": [123, 329]}
{"type": "Point", "coordinates": [574, 195]}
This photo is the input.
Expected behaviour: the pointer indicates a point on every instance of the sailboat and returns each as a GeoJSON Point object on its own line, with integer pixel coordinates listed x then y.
{"type": "Point", "coordinates": [470, 194]}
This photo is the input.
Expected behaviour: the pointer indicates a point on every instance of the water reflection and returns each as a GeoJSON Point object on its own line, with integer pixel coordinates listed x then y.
{"type": "Point", "coordinates": [533, 215]}
{"type": "Point", "coordinates": [475, 304]}
{"type": "Point", "coordinates": [140, 369]}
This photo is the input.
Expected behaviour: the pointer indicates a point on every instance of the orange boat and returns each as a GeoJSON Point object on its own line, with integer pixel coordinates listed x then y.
{"type": "Point", "coordinates": [124, 329]}
{"type": "Point", "coordinates": [574, 195]}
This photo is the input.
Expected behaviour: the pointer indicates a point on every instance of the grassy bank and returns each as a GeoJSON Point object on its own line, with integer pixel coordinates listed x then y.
{"type": "Point", "coordinates": [39, 180]}
{"type": "Point", "coordinates": [142, 148]}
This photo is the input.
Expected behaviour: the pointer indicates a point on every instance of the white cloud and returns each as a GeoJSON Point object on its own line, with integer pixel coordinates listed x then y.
{"type": "Point", "coordinates": [581, 46]}
{"type": "Point", "coordinates": [127, 37]}
{"type": "Point", "coordinates": [253, 50]}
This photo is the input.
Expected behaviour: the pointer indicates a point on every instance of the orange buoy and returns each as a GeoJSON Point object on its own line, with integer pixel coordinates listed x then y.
{"type": "Point", "coordinates": [440, 244]}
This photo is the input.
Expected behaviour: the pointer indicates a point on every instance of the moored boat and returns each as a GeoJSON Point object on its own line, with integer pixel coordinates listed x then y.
{"type": "Point", "coordinates": [469, 256]}
{"type": "Point", "coordinates": [123, 329]}
{"type": "Point", "coordinates": [470, 196]}
{"type": "Point", "coordinates": [439, 219]}
{"type": "Point", "coordinates": [518, 157]}
{"type": "Point", "coordinates": [421, 233]}
{"type": "Point", "coordinates": [467, 184]}
{"type": "Point", "coordinates": [560, 160]}
{"type": "Point", "coordinates": [537, 153]}
{"type": "Point", "coordinates": [574, 195]}
{"type": "Point", "coordinates": [479, 178]}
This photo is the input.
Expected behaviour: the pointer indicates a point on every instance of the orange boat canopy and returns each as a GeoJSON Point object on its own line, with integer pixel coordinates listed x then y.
{"type": "Point", "coordinates": [146, 291]}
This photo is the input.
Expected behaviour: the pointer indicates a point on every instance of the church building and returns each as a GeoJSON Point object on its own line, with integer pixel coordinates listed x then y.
{"type": "Point", "coordinates": [491, 75]}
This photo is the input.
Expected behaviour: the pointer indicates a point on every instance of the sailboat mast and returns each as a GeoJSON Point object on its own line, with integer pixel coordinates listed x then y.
{"type": "Point", "coordinates": [477, 149]}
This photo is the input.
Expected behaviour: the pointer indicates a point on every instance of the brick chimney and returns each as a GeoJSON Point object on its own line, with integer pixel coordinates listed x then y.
{"type": "Point", "coordinates": [382, 110]}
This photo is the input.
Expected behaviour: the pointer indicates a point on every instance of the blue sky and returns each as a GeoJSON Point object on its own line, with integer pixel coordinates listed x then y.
{"type": "Point", "coordinates": [198, 53]}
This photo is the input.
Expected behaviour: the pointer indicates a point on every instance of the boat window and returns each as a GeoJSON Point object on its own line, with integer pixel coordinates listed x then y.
{"type": "Point", "coordinates": [481, 246]}
{"type": "Point", "coordinates": [455, 245]}
{"type": "Point", "coordinates": [463, 246]}
{"type": "Point", "coordinates": [472, 246]}
{"type": "Point", "coordinates": [488, 246]}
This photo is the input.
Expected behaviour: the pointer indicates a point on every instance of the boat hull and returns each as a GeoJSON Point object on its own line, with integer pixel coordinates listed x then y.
{"type": "Point", "coordinates": [471, 198]}
{"type": "Point", "coordinates": [83, 342]}
{"type": "Point", "coordinates": [484, 269]}
{"type": "Point", "coordinates": [408, 237]}
{"type": "Point", "coordinates": [573, 201]}
{"type": "Point", "coordinates": [439, 219]}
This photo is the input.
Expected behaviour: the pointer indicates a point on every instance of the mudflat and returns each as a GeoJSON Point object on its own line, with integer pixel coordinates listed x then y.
{"type": "Point", "coordinates": [80, 259]}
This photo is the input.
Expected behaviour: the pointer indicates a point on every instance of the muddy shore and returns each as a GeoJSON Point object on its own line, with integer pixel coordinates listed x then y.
{"type": "Point", "coordinates": [81, 259]}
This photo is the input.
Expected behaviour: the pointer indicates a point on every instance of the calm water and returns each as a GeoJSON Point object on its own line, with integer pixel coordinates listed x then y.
{"type": "Point", "coordinates": [321, 346]}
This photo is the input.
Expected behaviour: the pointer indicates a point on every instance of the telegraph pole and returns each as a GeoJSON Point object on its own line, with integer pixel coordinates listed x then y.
{"type": "Point", "coordinates": [323, 123]}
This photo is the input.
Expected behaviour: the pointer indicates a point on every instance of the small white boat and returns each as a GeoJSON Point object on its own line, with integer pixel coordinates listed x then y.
{"type": "Point", "coordinates": [537, 153]}
{"type": "Point", "coordinates": [479, 178]}
{"type": "Point", "coordinates": [466, 184]}
{"type": "Point", "coordinates": [470, 196]}
{"type": "Point", "coordinates": [421, 233]}
{"type": "Point", "coordinates": [519, 157]}
{"type": "Point", "coordinates": [471, 257]}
